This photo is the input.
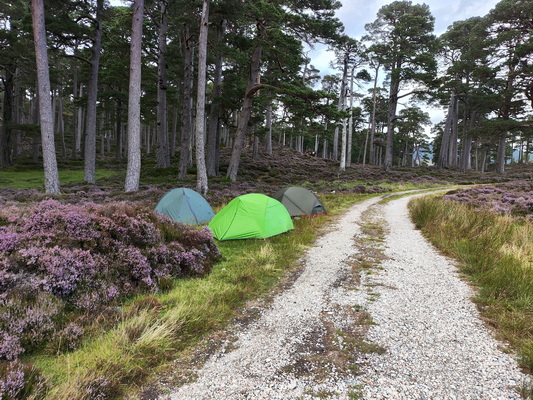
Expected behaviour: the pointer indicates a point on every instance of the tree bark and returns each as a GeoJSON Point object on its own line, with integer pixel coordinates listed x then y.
{"type": "Point", "coordinates": [372, 151]}
{"type": "Point", "coordinates": [51, 173]}
{"type": "Point", "coordinates": [186, 121]}
{"type": "Point", "coordinates": [391, 117]}
{"type": "Point", "coordinates": [443, 161]}
{"type": "Point", "coordinates": [61, 121]}
{"type": "Point", "coordinates": [6, 146]}
{"type": "Point", "coordinates": [454, 134]}
{"type": "Point", "coordinates": [162, 152]}
{"type": "Point", "coordinates": [268, 137]}
{"type": "Point", "coordinates": [133, 171]}
{"type": "Point", "coordinates": [92, 94]}
{"type": "Point", "coordinates": [246, 110]}
{"type": "Point", "coordinates": [201, 173]}
{"type": "Point", "coordinates": [500, 157]}
{"type": "Point", "coordinates": [213, 137]}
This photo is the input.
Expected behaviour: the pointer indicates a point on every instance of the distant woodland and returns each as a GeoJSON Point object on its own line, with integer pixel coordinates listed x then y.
{"type": "Point", "coordinates": [178, 81]}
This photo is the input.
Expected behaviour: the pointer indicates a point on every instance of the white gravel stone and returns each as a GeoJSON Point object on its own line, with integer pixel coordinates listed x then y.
{"type": "Point", "coordinates": [436, 345]}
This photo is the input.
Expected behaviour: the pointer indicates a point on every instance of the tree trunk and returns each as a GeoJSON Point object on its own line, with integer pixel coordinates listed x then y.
{"type": "Point", "coordinates": [162, 152]}
{"type": "Point", "coordinates": [342, 164]}
{"type": "Point", "coordinates": [500, 157]}
{"type": "Point", "coordinates": [36, 145]}
{"type": "Point", "coordinates": [133, 171]}
{"type": "Point", "coordinates": [444, 154]}
{"type": "Point", "coordinates": [255, 147]}
{"type": "Point", "coordinates": [454, 134]}
{"type": "Point", "coordinates": [246, 110]}
{"type": "Point", "coordinates": [51, 174]}
{"type": "Point", "coordinates": [61, 121]}
{"type": "Point", "coordinates": [201, 173]}
{"type": "Point", "coordinates": [350, 124]}
{"type": "Point", "coordinates": [79, 127]}
{"type": "Point", "coordinates": [118, 128]}
{"type": "Point", "coordinates": [174, 134]}
{"type": "Point", "coordinates": [372, 151]}
{"type": "Point", "coordinates": [213, 137]}
{"type": "Point", "coordinates": [268, 137]}
{"type": "Point", "coordinates": [186, 121]}
{"type": "Point", "coordinates": [391, 117]}
{"type": "Point", "coordinates": [92, 94]}
{"type": "Point", "coordinates": [6, 146]}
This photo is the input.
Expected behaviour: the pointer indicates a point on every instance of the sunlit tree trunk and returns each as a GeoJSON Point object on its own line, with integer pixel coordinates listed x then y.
{"type": "Point", "coordinates": [51, 173]}
{"type": "Point", "coordinates": [133, 171]}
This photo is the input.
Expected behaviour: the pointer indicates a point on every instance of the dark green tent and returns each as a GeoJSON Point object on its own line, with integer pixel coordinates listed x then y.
{"type": "Point", "coordinates": [186, 206]}
{"type": "Point", "coordinates": [249, 216]}
{"type": "Point", "coordinates": [299, 201]}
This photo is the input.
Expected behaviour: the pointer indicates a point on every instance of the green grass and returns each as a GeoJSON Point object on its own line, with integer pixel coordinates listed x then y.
{"type": "Point", "coordinates": [35, 178]}
{"type": "Point", "coordinates": [496, 253]}
{"type": "Point", "coordinates": [149, 334]}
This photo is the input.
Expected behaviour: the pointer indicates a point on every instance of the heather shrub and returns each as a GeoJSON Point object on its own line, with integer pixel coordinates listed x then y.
{"type": "Point", "coordinates": [58, 258]}
{"type": "Point", "coordinates": [68, 338]}
{"type": "Point", "coordinates": [20, 381]}
{"type": "Point", "coordinates": [510, 198]}
{"type": "Point", "coordinates": [26, 320]}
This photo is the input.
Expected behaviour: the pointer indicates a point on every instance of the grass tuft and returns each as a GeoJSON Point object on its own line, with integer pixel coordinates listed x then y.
{"type": "Point", "coordinates": [495, 252]}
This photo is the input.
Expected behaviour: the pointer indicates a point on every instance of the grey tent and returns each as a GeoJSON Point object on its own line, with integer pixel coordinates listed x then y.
{"type": "Point", "coordinates": [299, 201]}
{"type": "Point", "coordinates": [186, 206]}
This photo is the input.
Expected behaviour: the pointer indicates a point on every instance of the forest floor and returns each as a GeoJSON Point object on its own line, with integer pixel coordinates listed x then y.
{"type": "Point", "coordinates": [374, 312]}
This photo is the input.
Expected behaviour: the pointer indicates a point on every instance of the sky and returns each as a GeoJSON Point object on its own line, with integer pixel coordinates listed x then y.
{"type": "Point", "coordinates": [356, 13]}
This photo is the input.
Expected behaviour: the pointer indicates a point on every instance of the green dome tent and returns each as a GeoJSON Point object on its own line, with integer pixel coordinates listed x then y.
{"type": "Point", "coordinates": [299, 201]}
{"type": "Point", "coordinates": [251, 215]}
{"type": "Point", "coordinates": [186, 206]}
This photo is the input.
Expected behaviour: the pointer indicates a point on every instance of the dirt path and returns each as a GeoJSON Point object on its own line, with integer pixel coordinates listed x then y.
{"type": "Point", "coordinates": [313, 340]}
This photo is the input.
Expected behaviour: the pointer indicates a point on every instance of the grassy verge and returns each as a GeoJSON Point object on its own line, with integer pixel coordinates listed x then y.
{"type": "Point", "coordinates": [35, 178]}
{"type": "Point", "coordinates": [496, 253]}
{"type": "Point", "coordinates": [150, 331]}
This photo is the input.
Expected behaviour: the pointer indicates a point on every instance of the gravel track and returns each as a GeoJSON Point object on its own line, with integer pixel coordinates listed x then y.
{"type": "Point", "coordinates": [302, 345]}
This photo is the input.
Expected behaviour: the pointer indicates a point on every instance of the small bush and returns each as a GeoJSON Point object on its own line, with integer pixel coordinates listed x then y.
{"type": "Point", "coordinates": [84, 258]}
{"type": "Point", "coordinates": [20, 381]}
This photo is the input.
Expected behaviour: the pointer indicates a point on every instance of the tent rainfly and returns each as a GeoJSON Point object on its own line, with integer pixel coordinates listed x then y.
{"type": "Point", "coordinates": [186, 206]}
{"type": "Point", "coordinates": [249, 216]}
{"type": "Point", "coordinates": [299, 201]}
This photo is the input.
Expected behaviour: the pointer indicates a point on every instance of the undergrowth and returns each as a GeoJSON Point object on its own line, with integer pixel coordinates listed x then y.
{"type": "Point", "coordinates": [153, 330]}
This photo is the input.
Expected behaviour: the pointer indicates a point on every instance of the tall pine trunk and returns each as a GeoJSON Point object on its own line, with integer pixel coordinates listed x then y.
{"type": "Point", "coordinates": [6, 146]}
{"type": "Point", "coordinates": [186, 118]}
{"type": "Point", "coordinates": [372, 156]}
{"type": "Point", "coordinates": [92, 94]}
{"type": "Point", "coordinates": [246, 110]}
{"type": "Point", "coordinates": [201, 173]}
{"type": "Point", "coordinates": [133, 171]}
{"type": "Point", "coordinates": [51, 173]}
{"type": "Point", "coordinates": [391, 117]}
{"type": "Point", "coordinates": [162, 152]}
{"type": "Point", "coordinates": [213, 137]}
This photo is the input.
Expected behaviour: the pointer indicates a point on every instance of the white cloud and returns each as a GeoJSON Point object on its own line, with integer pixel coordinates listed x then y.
{"type": "Point", "coordinates": [355, 14]}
